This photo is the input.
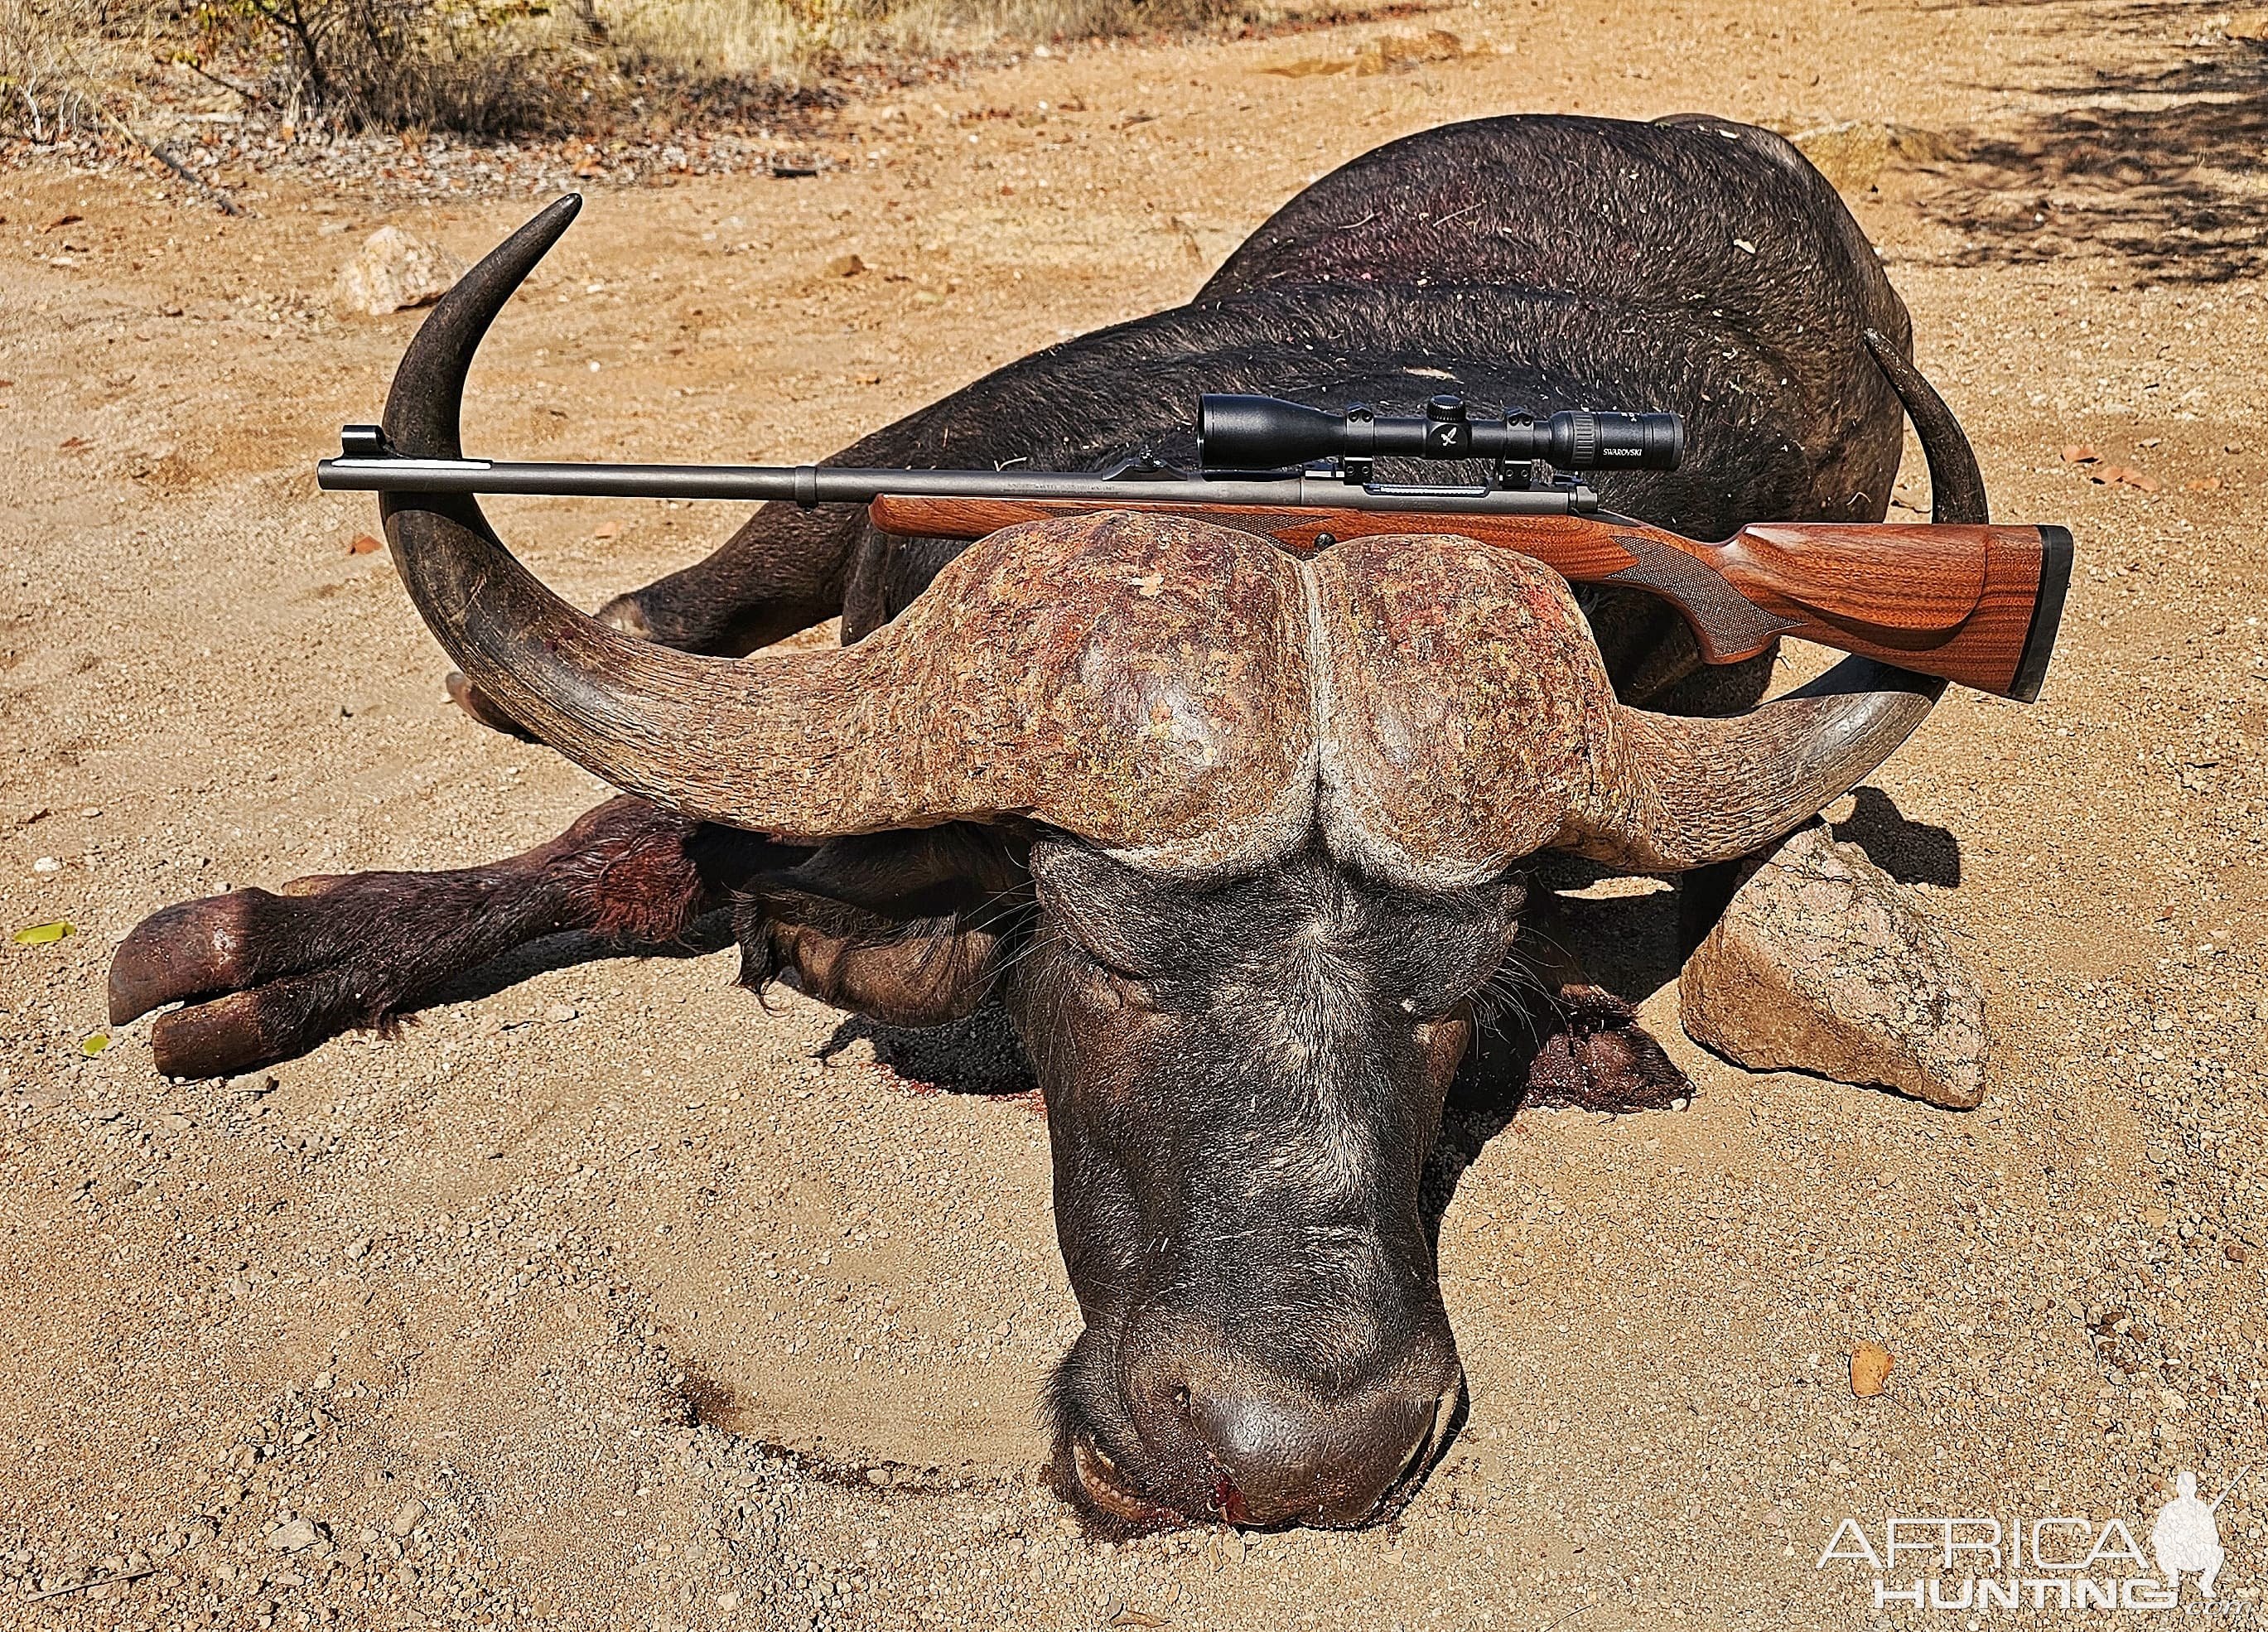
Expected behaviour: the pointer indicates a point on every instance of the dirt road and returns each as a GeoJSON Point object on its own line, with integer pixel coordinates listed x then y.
{"type": "Point", "coordinates": [602, 1297]}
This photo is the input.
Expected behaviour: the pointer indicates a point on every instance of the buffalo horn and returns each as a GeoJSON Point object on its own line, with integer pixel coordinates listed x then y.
{"type": "Point", "coordinates": [787, 741]}
{"type": "Point", "coordinates": [1004, 692]}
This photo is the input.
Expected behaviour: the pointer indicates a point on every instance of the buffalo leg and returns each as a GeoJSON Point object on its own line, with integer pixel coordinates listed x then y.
{"type": "Point", "coordinates": [782, 572]}
{"type": "Point", "coordinates": [265, 977]}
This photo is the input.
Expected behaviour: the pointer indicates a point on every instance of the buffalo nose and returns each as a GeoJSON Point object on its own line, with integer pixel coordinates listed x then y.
{"type": "Point", "coordinates": [1282, 1452]}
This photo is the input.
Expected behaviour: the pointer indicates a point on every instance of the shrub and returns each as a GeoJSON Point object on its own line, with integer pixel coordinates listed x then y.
{"type": "Point", "coordinates": [489, 67]}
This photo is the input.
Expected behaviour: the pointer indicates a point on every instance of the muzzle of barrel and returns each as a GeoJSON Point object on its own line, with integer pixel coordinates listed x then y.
{"type": "Point", "coordinates": [1237, 433]}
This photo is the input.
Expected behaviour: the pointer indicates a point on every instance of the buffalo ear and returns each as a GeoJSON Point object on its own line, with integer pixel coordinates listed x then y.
{"type": "Point", "coordinates": [905, 929]}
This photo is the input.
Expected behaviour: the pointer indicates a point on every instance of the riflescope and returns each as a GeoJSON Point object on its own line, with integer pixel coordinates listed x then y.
{"type": "Point", "coordinates": [1268, 434]}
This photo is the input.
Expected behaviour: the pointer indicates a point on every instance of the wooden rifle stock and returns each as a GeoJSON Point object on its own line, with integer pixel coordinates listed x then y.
{"type": "Point", "coordinates": [1976, 605]}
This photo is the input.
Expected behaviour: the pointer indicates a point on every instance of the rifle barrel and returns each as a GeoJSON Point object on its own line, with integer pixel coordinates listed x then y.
{"type": "Point", "coordinates": [833, 484]}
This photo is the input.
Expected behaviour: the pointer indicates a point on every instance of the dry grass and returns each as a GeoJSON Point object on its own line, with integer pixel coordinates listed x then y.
{"type": "Point", "coordinates": [56, 59]}
{"type": "Point", "coordinates": [483, 66]}
{"type": "Point", "coordinates": [792, 39]}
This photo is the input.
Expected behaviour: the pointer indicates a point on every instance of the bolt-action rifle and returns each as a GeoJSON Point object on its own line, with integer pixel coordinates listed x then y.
{"type": "Point", "coordinates": [1978, 605]}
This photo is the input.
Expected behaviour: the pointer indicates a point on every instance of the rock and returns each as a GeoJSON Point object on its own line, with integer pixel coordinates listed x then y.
{"type": "Point", "coordinates": [407, 1517]}
{"type": "Point", "coordinates": [1822, 963]}
{"type": "Point", "coordinates": [252, 1082]}
{"type": "Point", "coordinates": [845, 266]}
{"type": "Point", "coordinates": [1870, 1369]}
{"type": "Point", "coordinates": [357, 1248]}
{"type": "Point", "coordinates": [1852, 154]}
{"type": "Point", "coordinates": [394, 271]}
{"type": "Point", "coordinates": [1409, 50]}
{"type": "Point", "coordinates": [296, 1537]}
{"type": "Point", "coordinates": [560, 1014]}
{"type": "Point", "coordinates": [728, 1601]}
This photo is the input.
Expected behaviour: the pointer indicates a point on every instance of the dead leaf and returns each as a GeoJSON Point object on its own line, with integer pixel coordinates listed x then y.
{"type": "Point", "coordinates": [2080, 454]}
{"type": "Point", "coordinates": [72, 444]}
{"type": "Point", "coordinates": [362, 545]}
{"type": "Point", "coordinates": [2203, 484]}
{"type": "Point", "coordinates": [43, 935]}
{"type": "Point", "coordinates": [63, 221]}
{"type": "Point", "coordinates": [1136, 1618]}
{"type": "Point", "coordinates": [1870, 1369]}
{"type": "Point", "coordinates": [607, 530]}
{"type": "Point", "coordinates": [2123, 476]}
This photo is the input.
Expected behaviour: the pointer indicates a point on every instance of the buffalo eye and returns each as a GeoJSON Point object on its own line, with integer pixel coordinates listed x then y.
{"type": "Point", "coordinates": [1128, 988]}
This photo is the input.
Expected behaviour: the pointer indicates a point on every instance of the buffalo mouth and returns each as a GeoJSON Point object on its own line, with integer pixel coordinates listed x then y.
{"type": "Point", "coordinates": [1101, 1488]}
{"type": "Point", "coordinates": [1448, 1414]}
{"type": "Point", "coordinates": [1110, 1494]}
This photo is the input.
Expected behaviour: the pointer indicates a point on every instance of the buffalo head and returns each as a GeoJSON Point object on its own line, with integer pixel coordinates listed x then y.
{"type": "Point", "coordinates": [1235, 836]}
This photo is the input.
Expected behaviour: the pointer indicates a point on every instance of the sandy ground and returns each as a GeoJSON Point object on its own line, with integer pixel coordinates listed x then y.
{"type": "Point", "coordinates": [602, 1297]}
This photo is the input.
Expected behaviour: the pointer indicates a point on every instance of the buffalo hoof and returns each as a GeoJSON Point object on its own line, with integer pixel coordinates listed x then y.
{"type": "Point", "coordinates": [1601, 1059]}
{"type": "Point", "coordinates": [264, 976]}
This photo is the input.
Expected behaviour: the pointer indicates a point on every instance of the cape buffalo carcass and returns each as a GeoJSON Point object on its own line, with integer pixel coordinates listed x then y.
{"type": "Point", "coordinates": [1237, 839]}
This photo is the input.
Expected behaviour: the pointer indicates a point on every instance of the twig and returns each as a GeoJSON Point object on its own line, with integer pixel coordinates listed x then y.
{"type": "Point", "coordinates": [254, 97]}
{"type": "Point", "coordinates": [108, 1581]}
{"type": "Point", "coordinates": [164, 155]}
{"type": "Point", "coordinates": [1569, 1615]}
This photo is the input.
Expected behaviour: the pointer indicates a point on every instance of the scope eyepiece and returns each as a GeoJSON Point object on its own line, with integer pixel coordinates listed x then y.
{"type": "Point", "coordinates": [1268, 434]}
